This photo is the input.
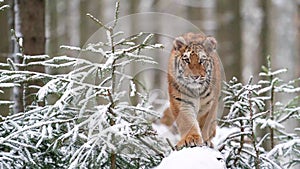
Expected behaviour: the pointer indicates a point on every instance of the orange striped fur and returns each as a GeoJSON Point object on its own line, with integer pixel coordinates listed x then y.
{"type": "Point", "coordinates": [194, 80]}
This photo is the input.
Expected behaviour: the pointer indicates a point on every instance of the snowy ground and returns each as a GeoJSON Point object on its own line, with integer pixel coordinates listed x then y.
{"type": "Point", "coordinates": [194, 158]}
{"type": "Point", "coordinates": [173, 136]}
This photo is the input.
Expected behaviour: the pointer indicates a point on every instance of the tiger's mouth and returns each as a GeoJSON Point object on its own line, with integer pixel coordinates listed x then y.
{"type": "Point", "coordinates": [196, 79]}
{"type": "Point", "coordinates": [193, 81]}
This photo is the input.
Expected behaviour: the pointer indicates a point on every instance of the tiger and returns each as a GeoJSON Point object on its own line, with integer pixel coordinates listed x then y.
{"type": "Point", "coordinates": [194, 87]}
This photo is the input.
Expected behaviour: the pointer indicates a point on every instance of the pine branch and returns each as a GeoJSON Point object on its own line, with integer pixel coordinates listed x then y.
{"type": "Point", "coordinates": [151, 147]}
{"type": "Point", "coordinates": [82, 132]}
{"type": "Point", "coordinates": [2, 140]}
{"type": "Point", "coordinates": [117, 11]}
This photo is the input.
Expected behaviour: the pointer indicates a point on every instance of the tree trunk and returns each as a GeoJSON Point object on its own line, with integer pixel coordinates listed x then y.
{"type": "Point", "coordinates": [4, 54]}
{"type": "Point", "coordinates": [298, 42]}
{"type": "Point", "coordinates": [229, 37]}
{"type": "Point", "coordinates": [51, 28]}
{"type": "Point", "coordinates": [30, 25]}
{"type": "Point", "coordinates": [282, 42]}
{"type": "Point", "coordinates": [252, 15]}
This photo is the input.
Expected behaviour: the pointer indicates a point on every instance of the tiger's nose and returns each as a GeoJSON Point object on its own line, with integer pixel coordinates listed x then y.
{"type": "Point", "coordinates": [195, 77]}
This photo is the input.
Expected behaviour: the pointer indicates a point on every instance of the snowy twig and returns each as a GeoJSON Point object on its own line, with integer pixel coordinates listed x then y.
{"type": "Point", "coordinates": [170, 144]}
{"type": "Point", "coordinates": [97, 21]}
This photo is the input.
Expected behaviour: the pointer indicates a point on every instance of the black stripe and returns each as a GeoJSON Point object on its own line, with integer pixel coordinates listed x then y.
{"type": "Point", "coordinates": [175, 64]}
{"type": "Point", "coordinates": [208, 93]}
{"type": "Point", "coordinates": [184, 101]}
{"type": "Point", "coordinates": [176, 86]}
{"type": "Point", "coordinates": [191, 91]}
{"type": "Point", "coordinates": [205, 89]}
{"type": "Point", "coordinates": [192, 94]}
{"type": "Point", "coordinates": [207, 103]}
{"type": "Point", "coordinates": [187, 91]}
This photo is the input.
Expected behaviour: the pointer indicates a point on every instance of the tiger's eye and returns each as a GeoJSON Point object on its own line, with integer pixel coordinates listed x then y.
{"type": "Point", "coordinates": [186, 60]}
{"type": "Point", "coordinates": [201, 61]}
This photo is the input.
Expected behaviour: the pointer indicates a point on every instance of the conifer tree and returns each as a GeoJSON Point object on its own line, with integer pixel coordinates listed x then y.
{"type": "Point", "coordinates": [78, 130]}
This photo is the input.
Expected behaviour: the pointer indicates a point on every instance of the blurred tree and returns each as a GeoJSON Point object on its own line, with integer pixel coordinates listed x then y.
{"type": "Point", "coordinates": [4, 52]}
{"type": "Point", "coordinates": [30, 25]}
{"type": "Point", "coordinates": [282, 42]}
{"type": "Point", "coordinates": [88, 27]}
{"type": "Point", "coordinates": [52, 46]}
{"type": "Point", "coordinates": [203, 14]}
{"type": "Point", "coordinates": [282, 39]}
{"type": "Point", "coordinates": [251, 27]}
{"type": "Point", "coordinates": [298, 29]}
{"type": "Point", "coordinates": [4, 33]}
{"type": "Point", "coordinates": [264, 31]}
{"type": "Point", "coordinates": [229, 37]}
{"type": "Point", "coordinates": [73, 24]}
{"type": "Point", "coordinates": [134, 8]}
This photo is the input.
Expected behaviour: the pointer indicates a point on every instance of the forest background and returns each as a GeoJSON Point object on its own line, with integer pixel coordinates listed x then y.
{"type": "Point", "coordinates": [247, 32]}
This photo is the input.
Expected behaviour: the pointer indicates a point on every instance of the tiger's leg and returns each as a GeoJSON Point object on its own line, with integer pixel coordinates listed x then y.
{"type": "Point", "coordinates": [187, 124]}
{"type": "Point", "coordinates": [167, 118]}
{"type": "Point", "coordinates": [208, 125]}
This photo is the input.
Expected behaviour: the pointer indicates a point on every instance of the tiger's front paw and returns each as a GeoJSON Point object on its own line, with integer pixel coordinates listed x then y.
{"type": "Point", "coordinates": [193, 140]}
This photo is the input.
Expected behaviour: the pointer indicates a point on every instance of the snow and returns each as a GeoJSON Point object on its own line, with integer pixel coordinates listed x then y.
{"type": "Point", "coordinates": [8, 85]}
{"type": "Point", "coordinates": [4, 102]}
{"type": "Point", "coordinates": [70, 47]}
{"type": "Point", "coordinates": [287, 90]}
{"type": "Point", "coordinates": [269, 123]}
{"type": "Point", "coordinates": [265, 89]}
{"type": "Point", "coordinates": [167, 132]}
{"type": "Point", "coordinates": [223, 133]}
{"type": "Point", "coordinates": [133, 89]}
{"type": "Point", "coordinates": [47, 88]}
{"type": "Point", "coordinates": [172, 134]}
{"type": "Point", "coordinates": [203, 157]}
{"type": "Point", "coordinates": [37, 57]}
{"type": "Point", "coordinates": [21, 42]}
{"type": "Point", "coordinates": [3, 7]}
{"type": "Point", "coordinates": [280, 147]}
{"type": "Point", "coordinates": [193, 158]}
{"type": "Point", "coordinates": [278, 72]}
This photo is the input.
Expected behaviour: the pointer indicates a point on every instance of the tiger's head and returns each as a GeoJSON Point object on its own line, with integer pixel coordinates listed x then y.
{"type": "Point", "coordinates": [193, 62]}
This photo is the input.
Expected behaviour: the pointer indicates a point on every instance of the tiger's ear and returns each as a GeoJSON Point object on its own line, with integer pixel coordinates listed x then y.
{"type": "Point", "coordinates": [210, 44]}
{"type": "Point", "coordinates": [179, 43]}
